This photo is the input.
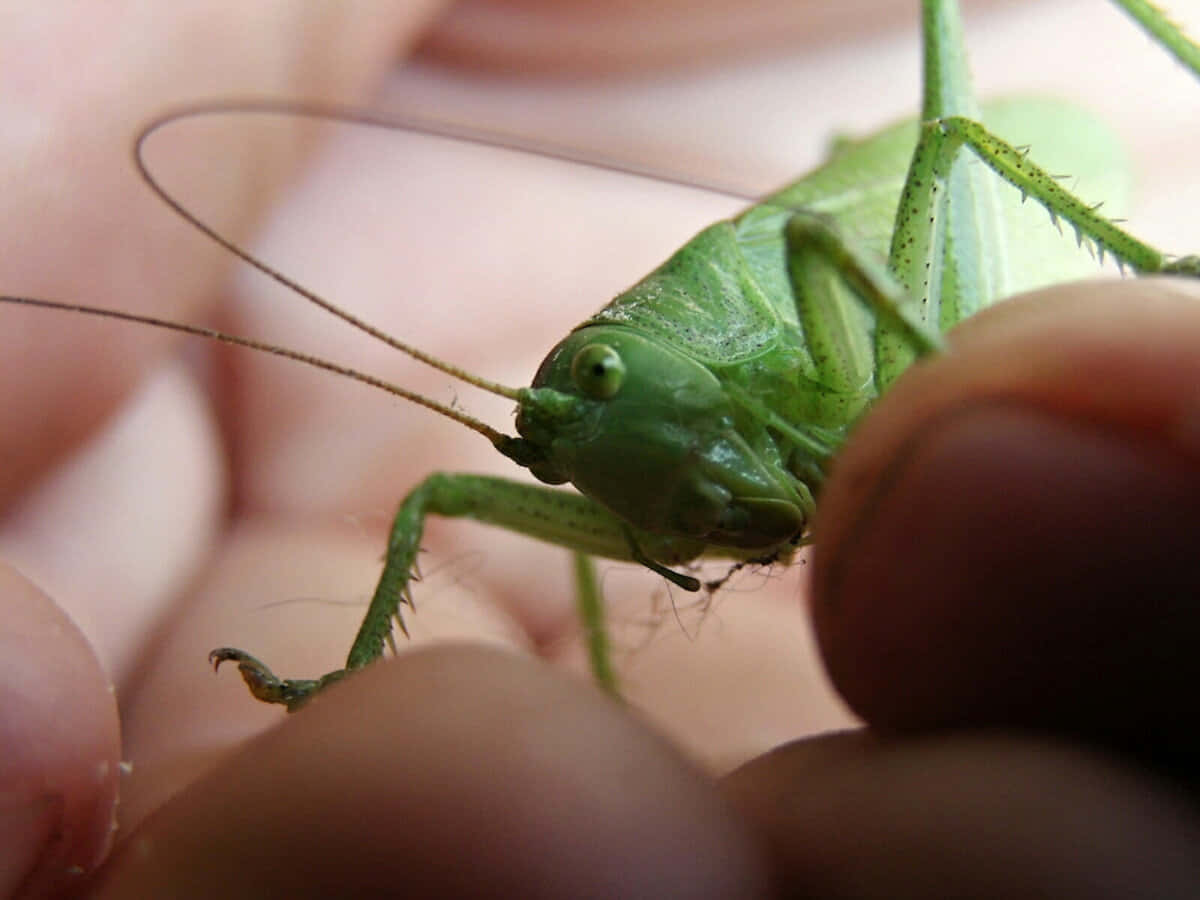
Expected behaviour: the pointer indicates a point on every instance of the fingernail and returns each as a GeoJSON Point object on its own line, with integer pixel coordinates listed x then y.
{"type": "Point", "coordinates": [999, 539]}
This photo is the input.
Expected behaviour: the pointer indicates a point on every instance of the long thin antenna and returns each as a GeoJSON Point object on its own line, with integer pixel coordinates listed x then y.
{"type": "Point", "coordinates": [178, 208]}
{"type": "Point", "coordinates": [496, 437]}
{"type": "Point", "coordinates": [454, 131]}
{"type": "Point", "coordinates": [451, 131]}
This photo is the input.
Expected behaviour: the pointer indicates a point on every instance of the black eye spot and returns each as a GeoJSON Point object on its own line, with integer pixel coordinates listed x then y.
{"type": "Point", "coordinates": [598, 371]}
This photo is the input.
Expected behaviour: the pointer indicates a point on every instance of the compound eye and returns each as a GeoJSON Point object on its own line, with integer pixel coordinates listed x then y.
{"type": "Point", "coordinates": [598, 371]}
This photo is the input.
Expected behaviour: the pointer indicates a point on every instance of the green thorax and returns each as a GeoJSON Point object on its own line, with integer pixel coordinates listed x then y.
{"type": "Point", "coordinates": [725, 297]}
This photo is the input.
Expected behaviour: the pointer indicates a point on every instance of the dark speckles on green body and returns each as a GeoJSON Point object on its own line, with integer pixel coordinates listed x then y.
{"type": "Point", "coordinates": [703, 300]}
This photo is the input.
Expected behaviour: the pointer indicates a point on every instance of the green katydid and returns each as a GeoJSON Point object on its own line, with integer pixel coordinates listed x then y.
{"type": "Point", "coordinates": [759, 335]}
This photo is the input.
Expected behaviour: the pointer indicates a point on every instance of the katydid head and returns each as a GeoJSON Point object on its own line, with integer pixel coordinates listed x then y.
{"type": "Point", "coordinates": [651, 433]}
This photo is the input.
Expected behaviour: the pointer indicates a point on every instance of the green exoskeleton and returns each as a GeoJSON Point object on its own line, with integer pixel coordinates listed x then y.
{"type": "Point", "coordinates": [696, 414]}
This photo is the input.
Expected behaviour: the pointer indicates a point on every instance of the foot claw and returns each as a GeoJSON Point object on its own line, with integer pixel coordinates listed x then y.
{"type": "Point", "coordinates": [266, 686]}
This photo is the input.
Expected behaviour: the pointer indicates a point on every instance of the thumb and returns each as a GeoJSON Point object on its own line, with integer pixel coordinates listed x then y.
{"type": "Point", "coordinates": [1009, 538]}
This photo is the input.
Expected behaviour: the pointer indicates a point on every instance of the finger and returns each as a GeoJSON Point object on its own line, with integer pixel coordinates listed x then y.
{"type": "Point", "coordinates": [592, 37]}
{"type": "Point", "coordinates": [60, 752]}
{"type": "Point", "coordinates": [1009, 537]}
{"type": "Point", "coordinates": [967, 816]}
{"type": "Point", "coordinates": [82, 228]}
{"type": "Point", "coordinates": [451, 772]}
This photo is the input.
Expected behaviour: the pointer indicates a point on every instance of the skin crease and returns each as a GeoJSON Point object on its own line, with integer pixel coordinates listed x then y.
{"type": "Point", "coordinates": [454, 753]}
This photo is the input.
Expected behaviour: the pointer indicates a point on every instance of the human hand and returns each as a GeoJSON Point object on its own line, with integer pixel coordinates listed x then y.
{"type": "Point", "coordinates": [177, 724]}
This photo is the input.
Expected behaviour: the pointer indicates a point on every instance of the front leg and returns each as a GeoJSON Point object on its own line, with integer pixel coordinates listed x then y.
{"type": "Point", "coordinates": [555, 516]}
{"type": "Point", "coordinates": [831, 278]}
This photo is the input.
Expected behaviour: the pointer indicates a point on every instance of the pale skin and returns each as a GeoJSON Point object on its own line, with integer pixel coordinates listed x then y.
{"type": "Point", "coordinates": [383, 768]}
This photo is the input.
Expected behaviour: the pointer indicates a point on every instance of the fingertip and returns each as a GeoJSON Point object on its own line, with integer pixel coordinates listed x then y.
{"type": "Point", "coordinates": [61, 743]}
{"type": "Point", "coordinates": [1008, 540]}
{"type": "Point", "coordinates": [452, 771]}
